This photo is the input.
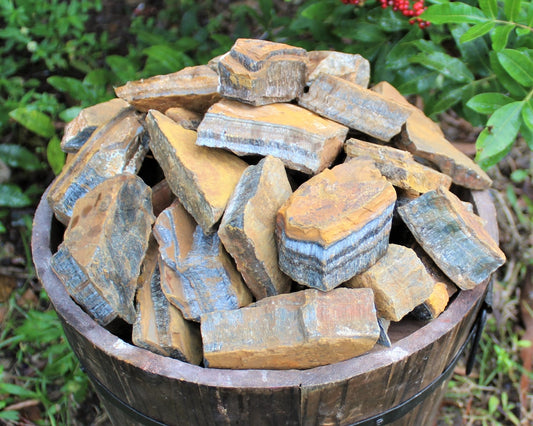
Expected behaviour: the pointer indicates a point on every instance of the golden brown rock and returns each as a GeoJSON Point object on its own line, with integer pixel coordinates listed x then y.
{"type": "Point", "coordinates": [351, 67]}
{"type": "Point", "coordinates": [186, 118]}
{"type": "Point", "coordinates": [194, 88]}
{"type": "Point", "coordinates": [296, 330]}
{"type": "Point", "coordinates": [303, 140]}
{"type": "Point", "coordinates": [202, 178]}
{"type": "Point", "coordinates": [435, 304]}
{"type": "Point", "coordinates": [260, 72]}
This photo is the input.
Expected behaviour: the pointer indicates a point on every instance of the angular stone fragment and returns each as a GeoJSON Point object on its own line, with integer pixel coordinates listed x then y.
{"type": "Point", "coordinates": [194, 88]}
{"type": "Point", "coordinates": [186, 118]}
{"type": "Point", "coordinates": [351, 67]}
{"type": "Point", "coordinates": [260, 72]}
{"type": "Point", "coordinates": [387, 90]}
{"type": "Point", "coordinates": [203, 179]}
{"type": "Point", "coordinates": [399, 167]}
{"type": "Point", "coordinates": [159, 325]}
{"type": "Point", "coordinates": [453, 237]}
{"type": "Point", "coordinates": [335, 225]}
{"type": "Point", "coordinates": [104, 245]}
{"type": "Point", "coordinates": [434, 305]}
{"type": "Point", "coordinates": [399, 281]}
{"type": "Point", "coordinates": [355, 106]}
{"type": "Point", "coordinates": [116, 147]}
{"type": "Point", "coordinates": [303, 140]}
{"type": "Point", "coordinates": [248, 226]}
{"type": "Point", "coordinates": [80, 129]}
{"type": "Point", "coordinates": [384, 338]}
{"type": "Point", "coordinates": [197, 275]}
{"type": "Point", "coordinates": [296, 330]}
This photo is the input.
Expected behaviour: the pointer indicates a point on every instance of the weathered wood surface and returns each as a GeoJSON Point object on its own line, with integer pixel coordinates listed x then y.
{"type": "Point", "coordinates": [399, 167]}
{"type": "Point", "coordinates": [197, 275]}
{"type": "Point", "coordinates": [194, 88]}
{"type": "Point", "coordinates": [261, 72]}
{"type": "Point", "coordinates": [104, 245]}
{"type": "Point", "coordinates": [80, 129]}
{"type": "Point", "coordinates": [355, 106]}
{"type": "Point", "coordinates": [203, 179]}
{"type": "Point", "coordinates": [399, 280]}
{"type": "Point", "coordinates": [248, 227]}
{"type": "Point", "coordinates": [453, 237]}
{"type": "Point", "coordinates": [303, 140]}
{"type": "Point", "coordinates": [296, 330]}
{"type": "Point", "coordinates": [335, 225]}
{"type": "Point", "coordinates": [120, 139]}
{"type": "Point", "coordinates": [350, 67]}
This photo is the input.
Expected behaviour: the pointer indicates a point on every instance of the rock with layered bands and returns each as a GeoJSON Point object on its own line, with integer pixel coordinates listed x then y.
{"type": "Point", "coordinates": [335, 225]}
{"type": "Point", "coordinates": [248, 226]}
{"type": "Point", "coordinates": [159, 325]}
{"type": "Point", "coordinates": [260, 72]}
{"type": "Point", "coordinates": [194, 88]}
{"type": "Point", "coordinates": [116, 147]}
{"type": "Point", "coordinates": [399, 281]}
{"type": "Point", "coordinates": [435, 304]}
{"type": "Point", "coordinates": [351, 67]}
{"type": "Point", "coordinates": [185, 117]}
{"type": "Point", "coordinates": [202, 178]}
{"type": "Point", "coordinates": [104, 245]}
{"type": "Point", "coordinates": [80, 129]}
{"type": "Point", "coordinates": [355, 106]}
{"type": "Point", "coordinates": [399, 167]}
{"type": "Point", "coordinates": [197, 274]}
{"type": "Point", "coordinates": [453, 237]}
{"type": "Point", "coordinates": [303, 140]}
{"type": "Point", "coordinates": [296, 330]}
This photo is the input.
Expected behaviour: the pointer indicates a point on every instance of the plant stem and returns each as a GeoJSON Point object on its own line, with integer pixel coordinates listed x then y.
{"type": "Point", "coordinates": [498, 21]}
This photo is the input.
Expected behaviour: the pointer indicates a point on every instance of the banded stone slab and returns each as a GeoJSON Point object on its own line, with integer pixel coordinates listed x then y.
{"type": "Point", "coordinates": [197, 274]}
{"type": "Point", "coordinates": [203, 179]}
{"type": "Point", "coordinates": [184, 117]}
{"type": "Point", "coordinates": [194, 88]}
{"type": "Point", "coordinates": [335, 225]}
{"type": "Point", "coordinates": [355, 106]}
{"type": "Point", "coordinates": [399, 281]}
{"type": "Point", "coordinates": [116, 147]}
{"type": "Point", "coordinates": [398, 166]}
{"type": "Point", "coordinates": [296, 330]}
{"type": "Point", "coordinates": [453, 237]}
{"type": "Point", "coordinates": [104, 245]}
{"type": "Point", "coordinates": [351, 67]}
{"type": "Point", "coordinates": [80, 129]}
{"type": "Point", "coordinates": [260, 72]}
{"type": "Point", "coordinates": [159, 326]}
{"type": "Point", "coordinates": [303, 140]}
{"type": "Point", "coordinates": [248, 227]}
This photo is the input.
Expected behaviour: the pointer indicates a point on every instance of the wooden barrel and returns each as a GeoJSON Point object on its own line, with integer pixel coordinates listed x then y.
{"type": "Point", "coordinates": [402, 384]}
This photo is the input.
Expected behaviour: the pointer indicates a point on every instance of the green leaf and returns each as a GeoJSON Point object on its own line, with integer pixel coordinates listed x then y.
{"type": "Point", "coordinates": [489, 7]}
{"type": "Point", "coordinates": [2, 228]}
{"type": "Point", "coordinates": [500, 36]}
{"type": "Point", "coordinates": [70, 114]}
{"type": "Point", "coordinates": [488, 103]}
{"type": "Point", "coordinates": [527, 135]}
{"type": "Point", "coordinates": [19, 156]}
{"type": "Point", "coordinates": [518, 66]}
{"type": "Point", "coordinates": [477, 31]}
{"type": "Point", "coordinates": [70, 85]}
{"type": "Point", "coordinates": [364, 32]}
{"type": "Point", "coordinates": [505, 79]}
{"type": "Point", "coordinates": [34, 121]}
{"type": "Point", "coordinates": [449, 98]}
{"type": "Point", "coordinates": [124, 68]}
{"type": "Point", "coordinates": [12, 196]}
{"type": "Point", "coordinates": [448, 66]}
{"type": "Point", "coordinates": [453, 13]}
{"type": "Point", "coordinates": [317, 11]}
{"type": "Point", "coordinates": [527, 114]}
{"type": "Point", "coordinates": [511, 8]}
{"type": "Point", "coordinates": [54, 155]}
{"type": "Point", "coordinates": [164, 59]}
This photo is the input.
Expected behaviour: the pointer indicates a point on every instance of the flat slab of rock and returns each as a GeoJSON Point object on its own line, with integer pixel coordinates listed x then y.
{"type": "Point", "coordinates": [453, 237]}
{"type": "Point", "coordinates": [197, 275]}
{"type": "Point", "coordinates": [159, 325]}
{"type": "Point", "coordinates": [260, 72]}
{"type": "Point", "coordinates": [303, 140]}
{"type": "Point", "coordinates": [194, 88]}
{"type": "Point", "coordinates": [104, 245]}
{"type": "Point", "coordinates": [335, 225]}
{"type": "Point", "coordinates": [399, 280]}
{"type": "Point", "coordinates": [203, 179]}
{"type": "Point", "coordinates": [185, 117]}
{"type": "Point", "coordinates": [116, 147]}
{"type": "Point", "coordinates": [80, 129]}
{"type": "Point", "coordinates": [399, 167]}
{"type": "Point", "coordinates": [355, 106]}
{"type": "Point", "coordinates": [296, 330]}
{"type": "Point", "coordinates": [248, 227]}
{"type": "Point", "coordinates": [351, 67]}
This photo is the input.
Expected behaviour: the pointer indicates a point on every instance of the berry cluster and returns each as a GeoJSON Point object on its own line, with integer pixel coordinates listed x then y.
{"type": "Point", "coordinates": [407, 9]}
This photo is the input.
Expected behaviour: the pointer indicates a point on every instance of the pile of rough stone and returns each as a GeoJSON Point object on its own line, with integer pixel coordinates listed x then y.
{"type": "Point", "coordinates": [267, 243]}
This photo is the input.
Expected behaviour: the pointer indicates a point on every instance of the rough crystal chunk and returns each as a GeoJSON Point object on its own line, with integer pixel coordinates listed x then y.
{"type": "Point", "coordinates": [351, 67]}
